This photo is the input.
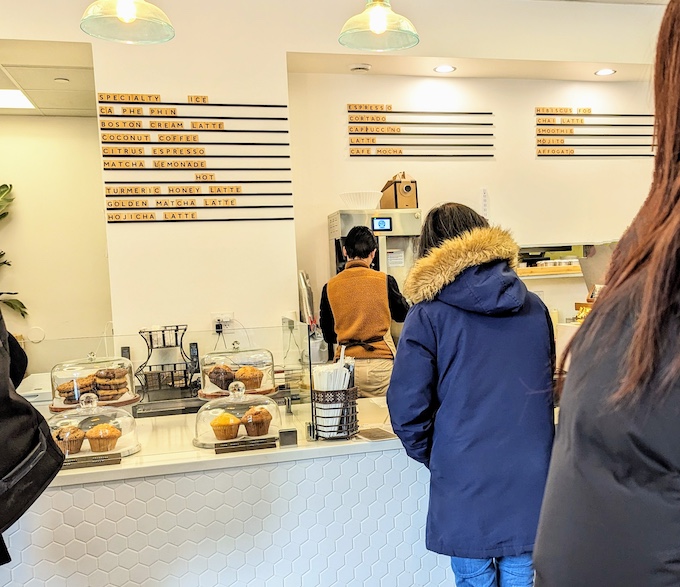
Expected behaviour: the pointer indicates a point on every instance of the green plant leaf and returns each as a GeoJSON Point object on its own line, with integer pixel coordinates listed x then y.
{"type": "Point", "coordinates": [5, 198]}
{"type": "Point", "coordinates": [13, 303]}
{"type": "Point", "coordinates": [17, 306]}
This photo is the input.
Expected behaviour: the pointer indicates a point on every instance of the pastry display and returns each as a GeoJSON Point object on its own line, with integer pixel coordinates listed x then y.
{"type": "Point", "coordinates": [219, 419]}
{"type": "Point", "coordinates": [103, 437]}
{"type": "Point", "coordinates": [221, 375]}
{"type": "Point", "coordinates": [253, 367]}
{"type": "Point", "coordinates": [69, 439]}
{"type": "Point", "coordinates": [250, 376]}
{"type": "Point", "coordinates": [225, 426]}
{"type": "Point", "coordinates": [257, 420]}
{"type": "Point", "coordinates": [107, 384]}
{"type": "Point", "coordinates": [105, 428]}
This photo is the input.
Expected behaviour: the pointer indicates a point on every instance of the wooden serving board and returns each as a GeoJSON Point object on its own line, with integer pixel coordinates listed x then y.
{"type": "Point", "coordinates": [55, 409]}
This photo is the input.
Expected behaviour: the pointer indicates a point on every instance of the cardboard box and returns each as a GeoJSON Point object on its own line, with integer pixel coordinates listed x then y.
{"type": "Point", "coordinates": [400, 192]}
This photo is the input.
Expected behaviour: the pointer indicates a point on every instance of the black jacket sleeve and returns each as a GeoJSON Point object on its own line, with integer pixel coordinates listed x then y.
{"type": "Point", "coordinates": [398, 304]}
{"type": "Point", "coordinates": [326, 319]}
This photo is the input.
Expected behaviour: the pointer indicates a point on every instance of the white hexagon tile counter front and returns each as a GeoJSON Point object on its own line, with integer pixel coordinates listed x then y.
{"type": "Point", "coordinates": [354, 519]}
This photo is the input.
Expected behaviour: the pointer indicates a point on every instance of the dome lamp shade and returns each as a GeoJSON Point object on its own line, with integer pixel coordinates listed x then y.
{"type": "Point", "coordinates": [135, 22]}
{"type": "Point", "coordinates": [378, 28]}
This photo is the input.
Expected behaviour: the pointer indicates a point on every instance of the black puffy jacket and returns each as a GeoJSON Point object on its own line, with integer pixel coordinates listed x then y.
{"type": "Point", "coordinates": [611, 512]}
{"type": "Point", "coordinates": [29, 458]}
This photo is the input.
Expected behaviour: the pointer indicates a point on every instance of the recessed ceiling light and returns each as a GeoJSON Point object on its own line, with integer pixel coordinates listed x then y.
{"type": "Point", "coordinates": [444, 68]}
{"type": "Point", "coordinates": [605, 71]}
{"type": "Point", "coordinates": [14, 99]}
{"type": "Point", "coordinates": [62, 80]}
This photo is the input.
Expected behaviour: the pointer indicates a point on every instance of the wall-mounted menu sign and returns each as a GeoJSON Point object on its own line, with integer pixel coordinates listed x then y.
{"type": "Point", "coordinates": [378, 130]}
{"type": "Point", "coordinates": [128, 98]}
{"type": "Point", "coordinates": [194, 160]}
{"type": "Point", "coordinates": [562, 131]}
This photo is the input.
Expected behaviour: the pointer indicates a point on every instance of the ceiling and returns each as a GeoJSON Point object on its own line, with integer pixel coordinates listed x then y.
{"type": "Point", "coordinates": [33, 67]}
{"type": "Point", "coordinates": [476, 68]}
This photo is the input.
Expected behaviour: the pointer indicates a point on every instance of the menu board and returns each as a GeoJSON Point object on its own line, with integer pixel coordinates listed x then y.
{"type": "Point", "coordinates": [195, 160]}
{"type": "Point", "coordinates": [378, 130]}
{"type": "Point", "coordinates": [562, 131]}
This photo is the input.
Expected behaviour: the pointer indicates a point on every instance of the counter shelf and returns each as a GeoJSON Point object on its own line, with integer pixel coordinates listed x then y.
{"type": "Point", "coordinates": [108, 378]}
{"type": "Point", "coordinates": [289, 380]}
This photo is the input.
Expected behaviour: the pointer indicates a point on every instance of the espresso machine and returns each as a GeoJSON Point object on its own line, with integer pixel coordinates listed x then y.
{"type": "Point", "coordinates": [396, 231]}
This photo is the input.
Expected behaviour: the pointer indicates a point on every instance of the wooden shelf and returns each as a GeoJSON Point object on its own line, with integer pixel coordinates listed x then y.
{"type": "Point", "coordinates": [555, 271]}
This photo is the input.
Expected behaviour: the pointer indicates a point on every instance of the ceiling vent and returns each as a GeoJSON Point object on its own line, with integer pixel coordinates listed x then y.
{"type": "Point", "coordinates": [360, 67]}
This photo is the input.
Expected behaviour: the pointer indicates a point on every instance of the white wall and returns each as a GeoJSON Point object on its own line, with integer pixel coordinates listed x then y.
{"type": "Point", "coordinates": [542, 201]}
{"type": "Point", "coordinates": [54, 231]}
{"type": "Point", "coordinates": [237, 52]}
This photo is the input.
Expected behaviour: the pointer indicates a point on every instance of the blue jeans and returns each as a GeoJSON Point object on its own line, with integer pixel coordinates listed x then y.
{"type": "Point", "coordinates": [506, 571]}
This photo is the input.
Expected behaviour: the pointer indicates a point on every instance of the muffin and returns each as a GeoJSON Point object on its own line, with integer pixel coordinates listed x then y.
{"type": "Point", "coordinates": [103, 437]}
{"type": "Point", "coordinates": [69, 439]}
{"type": "Point", "coordinates": [257, 420]}
{"type": "Point", "coordinates": [225, 426]}
{"type": "Point", "coordinates": [221, 375]}
{"type": "Point", "coordinates": [251, 377]}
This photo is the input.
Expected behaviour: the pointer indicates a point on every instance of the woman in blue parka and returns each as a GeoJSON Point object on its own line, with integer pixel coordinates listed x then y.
{"type": "Point", "coordinates": [471, 396]}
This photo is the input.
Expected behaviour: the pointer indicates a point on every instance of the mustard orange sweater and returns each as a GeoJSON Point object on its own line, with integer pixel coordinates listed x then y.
{"type": "Point", "coordinates": [359, 301]}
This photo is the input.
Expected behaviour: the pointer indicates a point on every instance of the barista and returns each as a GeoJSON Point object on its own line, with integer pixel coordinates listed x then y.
{"type": "Point", "coordinates": [357, 307]}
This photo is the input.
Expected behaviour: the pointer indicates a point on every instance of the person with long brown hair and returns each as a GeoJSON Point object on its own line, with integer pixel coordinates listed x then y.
{"type": "Point", "coordinates": [611, 513]}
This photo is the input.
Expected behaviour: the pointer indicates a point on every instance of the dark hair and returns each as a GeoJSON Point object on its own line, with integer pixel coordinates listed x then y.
{"type": "Point", "coordinates": [643, 281]}
{"type": "Point", "coordinates": [446, 222]}
{"type": "Point", "coordinates": [360, 242]}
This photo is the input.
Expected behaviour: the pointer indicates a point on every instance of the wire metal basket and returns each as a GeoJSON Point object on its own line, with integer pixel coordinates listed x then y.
{"type": "Point", "coordinates": [334, 413]}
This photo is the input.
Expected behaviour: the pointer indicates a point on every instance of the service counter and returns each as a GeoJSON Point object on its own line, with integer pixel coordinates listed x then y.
{"type": "Point", "coordinates": [321, 513]}
{"type": "Point", "coordinates": [167, 447]}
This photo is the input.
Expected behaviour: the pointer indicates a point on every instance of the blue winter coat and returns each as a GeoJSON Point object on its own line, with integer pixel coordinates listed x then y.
{"type": "Point", "coordinates": [471, 395]}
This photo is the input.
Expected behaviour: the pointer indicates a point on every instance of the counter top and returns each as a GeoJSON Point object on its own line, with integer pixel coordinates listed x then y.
{"type": "Point", "coordinates": [167, 447]}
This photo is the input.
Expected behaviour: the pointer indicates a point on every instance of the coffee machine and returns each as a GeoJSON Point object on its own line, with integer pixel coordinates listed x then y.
{"type": "Point", "coordinates": [396, 231]}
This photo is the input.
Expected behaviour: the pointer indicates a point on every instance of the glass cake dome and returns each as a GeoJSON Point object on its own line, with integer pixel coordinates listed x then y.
{"type": "Point", "coordinates": [93, 429]}
{"type": "Point", "coordinates": [253, 367]}
{"type": "Point", "coordinates": [235, 417]}
{"type": "Point", "coordinates": [110, 379]}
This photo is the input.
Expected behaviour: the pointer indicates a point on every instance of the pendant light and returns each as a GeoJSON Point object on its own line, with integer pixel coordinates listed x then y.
{"type": "Point", "coordinates": [378, 28]}
{"type": "Point", "coordinates": [135, 22]}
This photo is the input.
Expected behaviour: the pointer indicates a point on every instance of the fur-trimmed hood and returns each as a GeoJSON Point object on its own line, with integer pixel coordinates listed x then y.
{"type": "Point", "coordinates": [491, 287]}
